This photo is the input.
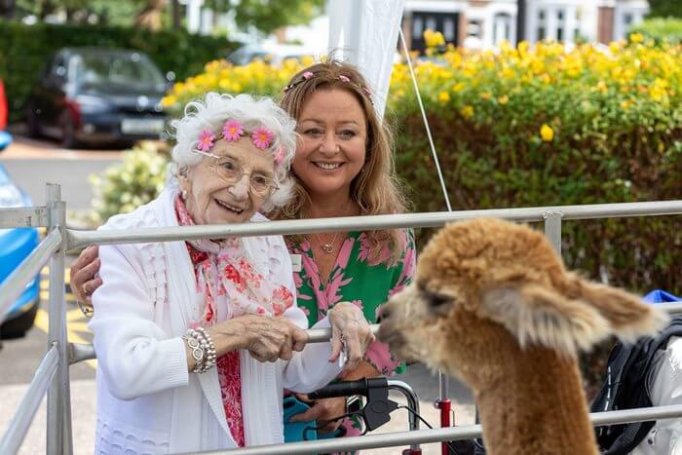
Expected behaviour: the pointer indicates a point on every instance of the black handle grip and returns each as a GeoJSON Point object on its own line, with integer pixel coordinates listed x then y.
{"type": "Point", "coordinates": [348, 388]}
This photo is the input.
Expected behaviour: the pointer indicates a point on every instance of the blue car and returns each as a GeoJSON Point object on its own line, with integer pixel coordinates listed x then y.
{"type": "Point", "coordinates": [15, 246]}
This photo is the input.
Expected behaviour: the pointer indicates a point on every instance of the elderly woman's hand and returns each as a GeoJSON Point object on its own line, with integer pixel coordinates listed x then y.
{"type": "Point", "coordinates": [271, 338]}
{"type": "Point", "coordinates": [84, 279]}
{"type": "Point", "coordinates": [350, 326]}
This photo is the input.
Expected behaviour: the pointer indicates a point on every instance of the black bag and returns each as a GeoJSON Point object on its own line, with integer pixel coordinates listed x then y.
{"type": "Point", "coordinates": [625, 388]}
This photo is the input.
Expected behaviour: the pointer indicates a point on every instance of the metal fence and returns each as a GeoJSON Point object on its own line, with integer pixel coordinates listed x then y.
{"type": "Point", "coordinates": [52, 375]}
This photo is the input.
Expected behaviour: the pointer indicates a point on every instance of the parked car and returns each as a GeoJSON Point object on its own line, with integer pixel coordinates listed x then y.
{"type": "Point", "coordinates": [270, 53]}
{"type": "Point", "coordinates": [98, 95]}
{"type": "Point", "coordinates": [5, 137]}
{"type": "Point", "coordinates": [15, 246]}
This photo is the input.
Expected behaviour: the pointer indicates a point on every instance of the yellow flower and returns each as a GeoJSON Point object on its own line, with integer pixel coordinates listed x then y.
{"type": "Point", "coordinates": [504, 99]}
{"type": "Point", "coordinates": [637, 38]}
{"type": "Point", "coordinates": [467, 111]}
{"type": "Point", "coordinates": [169, 100]}
{"type": "Point", "coordinates": [443, 97]}
{"type": "Point", "coordinates": [546, 133]}
{"type": "Point", "coordinates": [433, 39]}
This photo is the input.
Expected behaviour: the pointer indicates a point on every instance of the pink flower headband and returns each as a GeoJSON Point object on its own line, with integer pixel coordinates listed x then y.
{"type": "Point", "coordinates": [306, 76]}
{"type": "Point", "coordinates": [232, 131]}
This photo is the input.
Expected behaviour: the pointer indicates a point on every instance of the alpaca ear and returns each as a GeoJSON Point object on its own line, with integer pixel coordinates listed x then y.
{"type": "Point", "coordinates": [628, 316]}
{"type": "Point", "coordinates": [539, 315]}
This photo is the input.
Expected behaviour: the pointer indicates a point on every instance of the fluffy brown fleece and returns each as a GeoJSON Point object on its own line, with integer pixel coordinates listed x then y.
{"type": "Point", "coordinates": [493, 305]}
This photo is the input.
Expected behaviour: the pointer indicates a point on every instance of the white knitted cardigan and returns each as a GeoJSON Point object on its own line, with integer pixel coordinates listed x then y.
{"type": "Point", "coordinates": [147, 401]}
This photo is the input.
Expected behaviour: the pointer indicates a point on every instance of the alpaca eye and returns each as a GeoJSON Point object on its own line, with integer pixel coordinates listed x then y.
{"type": "Point", "coordinates": [437, 301]}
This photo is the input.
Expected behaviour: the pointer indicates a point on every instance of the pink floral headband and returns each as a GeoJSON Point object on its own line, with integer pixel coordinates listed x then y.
{"type": "Point", "coordinates": [306, 76]}
{"type": "Point", "coordinates": [232, 131]}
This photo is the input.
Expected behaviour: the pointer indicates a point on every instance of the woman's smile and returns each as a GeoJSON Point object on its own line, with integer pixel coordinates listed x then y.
{"type": "Point", "coordinates": [327, 166]}
{"type": "Point", "coordinates": [229, 207]}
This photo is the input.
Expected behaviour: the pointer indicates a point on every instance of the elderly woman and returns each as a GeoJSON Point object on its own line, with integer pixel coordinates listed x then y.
{"type": "Point", "coordinates": [197, 340]}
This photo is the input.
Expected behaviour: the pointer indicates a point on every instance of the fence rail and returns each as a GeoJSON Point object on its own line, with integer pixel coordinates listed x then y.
{"type": "Point", "coordinates": [18, 427]}
{"type": "Point", "coordinates": [53, 369]}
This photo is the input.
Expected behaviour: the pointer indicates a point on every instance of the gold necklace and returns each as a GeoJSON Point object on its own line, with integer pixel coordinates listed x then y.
{"type": "Point", "coordinates": [328, 247]}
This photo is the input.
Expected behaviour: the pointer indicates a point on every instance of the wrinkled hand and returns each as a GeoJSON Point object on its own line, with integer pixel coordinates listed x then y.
{"type": "Point", "coordinates": [85, 278]}
{"type": "Point", "coordinates": [323, 411]}
{"type": "Point", "coordinates": [349, 323]}
{"type": "Point", "coordinates": [271, 338]}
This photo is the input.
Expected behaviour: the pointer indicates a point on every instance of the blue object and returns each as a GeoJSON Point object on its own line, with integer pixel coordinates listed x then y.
{"type": "Point", "coordinates": [661, 296]}
{"type": "Point", "coordinates": [297, 431]}
{"type": "Point", "coordinates": [5, 139]}
{"type": "Point", "coordinates": [15, 246]}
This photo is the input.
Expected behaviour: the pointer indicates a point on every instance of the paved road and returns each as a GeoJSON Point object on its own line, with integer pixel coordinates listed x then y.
{"type": "Point", "coordinates": [32, 164]}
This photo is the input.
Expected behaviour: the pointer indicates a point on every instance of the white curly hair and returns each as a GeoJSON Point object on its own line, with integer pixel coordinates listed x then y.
{"type": "Point", "coordinates": [252, 113]}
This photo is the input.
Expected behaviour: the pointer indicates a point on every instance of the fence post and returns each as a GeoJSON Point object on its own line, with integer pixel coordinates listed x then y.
{"type": "Point", "coordinates": [553, 228]}
{"type": "Point", "coordinates": [59, 438]}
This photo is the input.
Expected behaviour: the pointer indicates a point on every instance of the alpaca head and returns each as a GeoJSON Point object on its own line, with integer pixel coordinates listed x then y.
{"type": "Point", "coordinates": [489, 281]}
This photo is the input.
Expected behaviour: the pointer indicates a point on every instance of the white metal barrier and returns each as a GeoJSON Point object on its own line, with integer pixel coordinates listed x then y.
{"type": "Point", "coordinates": [52, 375]}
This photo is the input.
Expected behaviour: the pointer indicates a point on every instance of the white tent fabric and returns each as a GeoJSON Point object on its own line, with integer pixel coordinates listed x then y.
{"type": "Point", "coordinates": [365, 33]}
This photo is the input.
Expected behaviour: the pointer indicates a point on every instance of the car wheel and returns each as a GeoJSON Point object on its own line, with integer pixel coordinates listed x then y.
{"type": "Point", "coordinates": [68, 130]}
{"type": "Point", "coordinates": [17, 327]}
{"type": "Point", "coordinates": [32, 124]}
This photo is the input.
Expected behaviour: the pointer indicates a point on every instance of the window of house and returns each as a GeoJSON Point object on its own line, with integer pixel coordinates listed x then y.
{"type": "Point", "coordinates": [474, 28]}
{"type": "Point", "coordinates": [501, 27]}
{"type": "Point", "coordinates": [449, 29]}
{"type": "Point", "coordinates": [561, 25]}
{"type": "Point", "coordinates": [542, 25]}
{"type": "Point", "coordinates": [417, 26]}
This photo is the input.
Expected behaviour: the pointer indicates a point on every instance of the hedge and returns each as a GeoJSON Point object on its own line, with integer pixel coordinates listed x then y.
{"type": "Point", "coordinates": [536, 126]}
{"type": "Point", "coordinates": [661, 30]}
{"type": "Point", "coordinates": [24, 50]}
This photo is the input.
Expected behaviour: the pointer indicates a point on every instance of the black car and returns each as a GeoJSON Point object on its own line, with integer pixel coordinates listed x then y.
{"type": "Point", "coordinates": [98, 95]}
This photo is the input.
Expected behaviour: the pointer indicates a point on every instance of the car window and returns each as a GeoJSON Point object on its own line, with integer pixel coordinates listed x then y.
{"type": "Point", "coordinates": [131, 70]}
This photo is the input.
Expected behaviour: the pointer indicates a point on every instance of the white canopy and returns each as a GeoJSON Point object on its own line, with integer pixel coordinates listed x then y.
{"type": "Point", "coordinates": [365, 33]}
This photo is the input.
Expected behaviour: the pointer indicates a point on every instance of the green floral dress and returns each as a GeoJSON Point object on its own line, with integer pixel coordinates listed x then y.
{"type": "Point", "coordinates": [356, 276]}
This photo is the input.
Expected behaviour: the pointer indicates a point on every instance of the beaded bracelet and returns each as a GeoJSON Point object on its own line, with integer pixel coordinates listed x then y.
{"type": "Point", "coordinates": [209, 347]}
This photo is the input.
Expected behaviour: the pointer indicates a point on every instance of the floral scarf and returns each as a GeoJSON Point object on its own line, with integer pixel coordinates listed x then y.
{"type": "Point", "coordinates": [231, 288]}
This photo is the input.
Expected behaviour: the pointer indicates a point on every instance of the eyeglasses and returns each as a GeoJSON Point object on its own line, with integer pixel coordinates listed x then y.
{"type": "Point", "coordinates": [231, 172]}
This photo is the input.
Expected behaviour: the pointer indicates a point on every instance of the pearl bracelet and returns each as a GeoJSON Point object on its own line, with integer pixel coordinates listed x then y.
{"type": "Point", "coordinates": [203, 349]}
{"type": "Point", "coordinates": [209, 347]}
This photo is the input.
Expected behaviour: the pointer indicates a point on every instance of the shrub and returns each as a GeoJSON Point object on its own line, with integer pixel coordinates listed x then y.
{"type": "Point", "coordinates": [661, 30]}
{"type": "Point", "coordinates": [138, 179]}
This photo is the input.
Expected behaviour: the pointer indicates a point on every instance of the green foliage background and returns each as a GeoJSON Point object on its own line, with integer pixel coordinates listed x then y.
{"type": "Point", "coordinates": [25, 49]}
{"type": "Point", "coordinates": [661, 30]}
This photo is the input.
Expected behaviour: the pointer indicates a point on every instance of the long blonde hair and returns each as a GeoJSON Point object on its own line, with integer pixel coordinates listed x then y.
{"type": "Point", "coordinates": [375, 189]}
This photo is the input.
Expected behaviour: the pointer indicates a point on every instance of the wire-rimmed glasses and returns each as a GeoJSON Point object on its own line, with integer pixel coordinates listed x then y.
{"type": "Point", "coordinates": [230, 171]}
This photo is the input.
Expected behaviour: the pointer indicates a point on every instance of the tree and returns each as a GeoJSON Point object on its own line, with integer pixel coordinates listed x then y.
{"type": "Point", "coordinates": [7, 8]}
{"type": "Point", "coordinates": [263, 15]}
{"type": "Point", "coordinates": [269, 15]}
{"type": "Point", "coordinates": [665, 8]}
{"type": "Point", "coordinates": [151, 16]}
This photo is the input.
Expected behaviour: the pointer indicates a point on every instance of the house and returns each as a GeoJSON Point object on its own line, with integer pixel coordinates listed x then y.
{"type": "Point", "coordinates": [483, 24]}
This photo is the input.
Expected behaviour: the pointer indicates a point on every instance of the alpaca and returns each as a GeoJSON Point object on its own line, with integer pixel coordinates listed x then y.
{"type": "Point", "coordinates": [493, 305]}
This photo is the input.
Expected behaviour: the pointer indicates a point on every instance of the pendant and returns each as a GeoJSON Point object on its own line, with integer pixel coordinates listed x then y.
{"type": "Point", "coordinates": [327, 248]}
